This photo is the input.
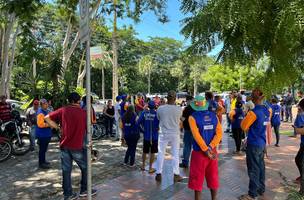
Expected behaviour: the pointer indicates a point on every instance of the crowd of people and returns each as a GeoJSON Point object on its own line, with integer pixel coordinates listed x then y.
{"type": "Point", "coordinates": [250, 119]}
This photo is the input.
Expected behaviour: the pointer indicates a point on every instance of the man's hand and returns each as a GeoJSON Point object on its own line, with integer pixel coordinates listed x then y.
{"type": "Point", "coordinates": [211, 154]}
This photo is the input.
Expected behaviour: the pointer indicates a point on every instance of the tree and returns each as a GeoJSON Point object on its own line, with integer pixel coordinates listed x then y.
{"type": "Point", "coordinates": [145, 68]}
{"type": "Point", "coordinates": [227, 78]}
{"type": "Point", "coordinates": [13, 15]}
{"type": "Point", "coordinates": [249, 30]}
{"type": "Point", "coordinates": [131, 9]}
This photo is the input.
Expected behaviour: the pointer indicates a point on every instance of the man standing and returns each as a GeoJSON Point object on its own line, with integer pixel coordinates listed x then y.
{"type": "Point", "coordinates": [288, 104]}
{"type": "Point", "coordinates": [207, 133]}
{"type": "Point", "coordinates": [188, 138]}
{"type": "Point", "coordinates": [117, 118]}
{"type": "Point", "coordinates": [5, 110]}
{"type": "Point", "coordinates": [255, 124]}
{"type": "Point", "coordinates": [169, 116]}
{"type": "Point", "coordinates": [228, 109]}
{"type": "Point", "coordinates": [31, 116]}
{"type": "Point", "coordinates": [72, 120]}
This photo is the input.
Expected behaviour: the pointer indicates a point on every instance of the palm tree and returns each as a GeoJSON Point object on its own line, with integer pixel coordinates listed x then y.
{"type": "Point", "coordinates": [145, 68]}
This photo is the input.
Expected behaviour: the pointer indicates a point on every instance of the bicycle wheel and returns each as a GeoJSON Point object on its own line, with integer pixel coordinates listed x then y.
{"type": "Point", "coordinates": [21, 147]}
{"type": "Point", "coordinates": [5, 150]}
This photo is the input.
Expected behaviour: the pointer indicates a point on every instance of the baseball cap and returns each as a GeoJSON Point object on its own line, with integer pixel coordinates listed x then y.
{"type": "Point", "coordinates": [42, 101]}
{"type": "Point", "coordinates": [36, 102]}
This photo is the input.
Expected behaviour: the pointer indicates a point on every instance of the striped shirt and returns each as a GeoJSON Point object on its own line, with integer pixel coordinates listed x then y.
{"type": "Point", "coordinates": [5, 112]}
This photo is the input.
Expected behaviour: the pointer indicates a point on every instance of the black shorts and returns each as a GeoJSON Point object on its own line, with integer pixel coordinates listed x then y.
{"type": "Point", "coordinates": [150, 147]}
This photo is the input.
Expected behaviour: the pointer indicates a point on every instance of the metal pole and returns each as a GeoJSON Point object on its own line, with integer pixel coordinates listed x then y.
{"type": "Point", "coordinates": [88, 94]}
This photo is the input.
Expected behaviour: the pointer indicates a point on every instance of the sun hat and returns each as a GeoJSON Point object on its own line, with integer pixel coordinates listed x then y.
{"type": "Point", "coordinates": [199, 104]}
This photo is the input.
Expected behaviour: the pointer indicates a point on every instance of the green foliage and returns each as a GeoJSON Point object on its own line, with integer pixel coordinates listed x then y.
{"type": "Point", "coordinates": [249, 30]}
{"type": "Point", "coordinates": [226, 78]}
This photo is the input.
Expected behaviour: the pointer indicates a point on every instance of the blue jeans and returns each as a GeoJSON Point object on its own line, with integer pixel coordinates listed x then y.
{"type": "Point", "coordinates": [131, 141]}
{"type": "Point", "coordinates": [43, 146]}
{"type": "Point", "coordinates": [67, 157]}
{"type": "Point", "coordinates": [256, 170]}
{"type": "Point", "coordinates": [32, 133]}
{"type": "Point", "coordinates": [288, 113]}
{"type": "Point", "coordinates": [188, 138]}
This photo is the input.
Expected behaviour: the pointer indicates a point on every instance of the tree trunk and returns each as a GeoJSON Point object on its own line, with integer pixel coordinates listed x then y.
{"type": "Point", "coordinates": [149, 82]}
{"type": "Point", "coordinates": [67, 53]}
{"type": "Point", "coordinates": [2, 30]}
{"type": "Point", "coordinates": [34, 92]}
{"type": "Point", "coordinates": [11, 64]}
{"type": "Point", "coordinates": [115, 55]}
{"type": "Point", "coordinates": [103, 83]}
{"type": "Point", "coordinates": [194, 87]}
{"type": "Point", "coordinates": [5, 66]}
{"type": "Point", "coordinates": [81, 73]}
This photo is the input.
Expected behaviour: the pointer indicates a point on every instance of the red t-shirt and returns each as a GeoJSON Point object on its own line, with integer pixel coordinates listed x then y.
{"type": "Point", "coordinates": [73, 126]}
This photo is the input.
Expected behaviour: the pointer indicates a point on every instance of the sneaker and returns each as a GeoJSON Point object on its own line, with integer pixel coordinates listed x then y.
{"type": "Point", "coordinates": [158, 177]}
{"type": "Point", "coordinates": [177, 178]}
{"type": "Point", "coordinates": [44, 166]}
{"type": "Point", "coordinates": [277, 145]}
{"type": "Point", "coordinates": [183, 165]}
{"type": "Point", "coordinates": [48, 163]}
{"type": "Point", "coordinates": [85, 194]}
{"type": "Point", "coordinates": [72, 197]}
{"type": "Point", "coordinates": [32, 149]}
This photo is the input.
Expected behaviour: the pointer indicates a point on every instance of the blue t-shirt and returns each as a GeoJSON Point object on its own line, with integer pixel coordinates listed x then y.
{"type": "Point", "coordinates": [237, 118]}
{"type": "Point", "coordinates": [213, 105]}
{"type": "Point", "coordinates": [275, 118]}
{"type": "Point", "coordinates": [299, 122]}
{"type": "Point", "coordinates": [130, 127]}
{"type": "Point", "coordinates": [206, 122]}
{"type": "Point", "coordinates": [148, 119]}
{"type": "Point", "coordinates": [257, 131]}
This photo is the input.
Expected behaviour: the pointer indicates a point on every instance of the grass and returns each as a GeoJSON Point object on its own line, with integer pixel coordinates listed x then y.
{"type": "Point", "coordinates": [287, 133]}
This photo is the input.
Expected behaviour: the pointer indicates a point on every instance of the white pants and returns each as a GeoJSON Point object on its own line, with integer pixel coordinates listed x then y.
{"type": "Point", "coordinates": [164, 140]}
{"type": "Point", "coordinates": [118, 130]}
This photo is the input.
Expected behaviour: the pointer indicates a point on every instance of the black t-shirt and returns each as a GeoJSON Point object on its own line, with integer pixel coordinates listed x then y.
{"type": "Point", "coordinates": [186, 114]}
{"type": "Point", "coordinates": [110, 111]}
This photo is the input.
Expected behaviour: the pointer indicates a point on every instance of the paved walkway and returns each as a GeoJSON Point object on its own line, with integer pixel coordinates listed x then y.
{"type": "Point", "coordinates": [20, 178]}
{"type": "Point", "coordinates": [280, 170]}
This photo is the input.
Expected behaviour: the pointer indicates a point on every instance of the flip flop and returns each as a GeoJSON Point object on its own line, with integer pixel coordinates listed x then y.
{"type": "Point", "coordinates": [151, 171]}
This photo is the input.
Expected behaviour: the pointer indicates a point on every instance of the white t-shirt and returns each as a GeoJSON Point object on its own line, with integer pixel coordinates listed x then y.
{"type": "Point", "coordinates": [117, 111]}
{"type": "Point", "coordinates": [169, 118]}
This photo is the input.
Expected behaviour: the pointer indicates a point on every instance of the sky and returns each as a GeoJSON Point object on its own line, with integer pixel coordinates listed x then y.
{"type": "Point", "coordinates": [149, 26]}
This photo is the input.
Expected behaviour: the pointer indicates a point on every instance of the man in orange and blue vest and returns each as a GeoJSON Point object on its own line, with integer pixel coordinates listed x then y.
{"type": "Point", "coordinates": [255, 123]}
{"type": "Point", "coordinates": [207, 133]}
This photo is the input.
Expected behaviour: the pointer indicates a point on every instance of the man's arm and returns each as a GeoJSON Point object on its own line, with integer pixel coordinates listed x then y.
{"type": "Point", "coordinates": [196, 135]}
{"type": "Point", "coordinates": [51, 123]}
{"type": "Point", "coordinates": [218, 135]}
{"type": "Point", "coordinates": [248, 121]}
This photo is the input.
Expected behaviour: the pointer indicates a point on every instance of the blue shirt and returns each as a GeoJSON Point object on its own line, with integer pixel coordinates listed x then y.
{"type": "Point", "coordinates": [43, 132]}
{"type": "Point", "coordinates": [257, 131]}
{"type": "Point", "coordinates": [206, 122]}
{"type": "Point", "coordinates": [237, 118]}
{"type": "Point", "coordinates": [275, 118]}
{"type": "Point", "coordinates": [130, 127]}
{"type": "Point", "coordinates": [299, 122]}
{"type": "Point", "coordinates": [148, 119]}
{"type": "Point", "coordinates": [213, 105]}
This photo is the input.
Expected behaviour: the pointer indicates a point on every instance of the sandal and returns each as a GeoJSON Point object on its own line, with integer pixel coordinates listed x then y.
{"type": "Point", "coordinates": [142, 169]}
{"type": "Point", "coordinates": [246, 197]}
{"type": "Point", "coordinates": [152, 170]}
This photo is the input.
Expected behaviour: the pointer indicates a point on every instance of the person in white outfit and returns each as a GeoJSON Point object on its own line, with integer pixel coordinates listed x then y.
{"type": "Point", "coordinates": [169, 116]}
{"type": "Point", "coordinates": [117, 118]}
